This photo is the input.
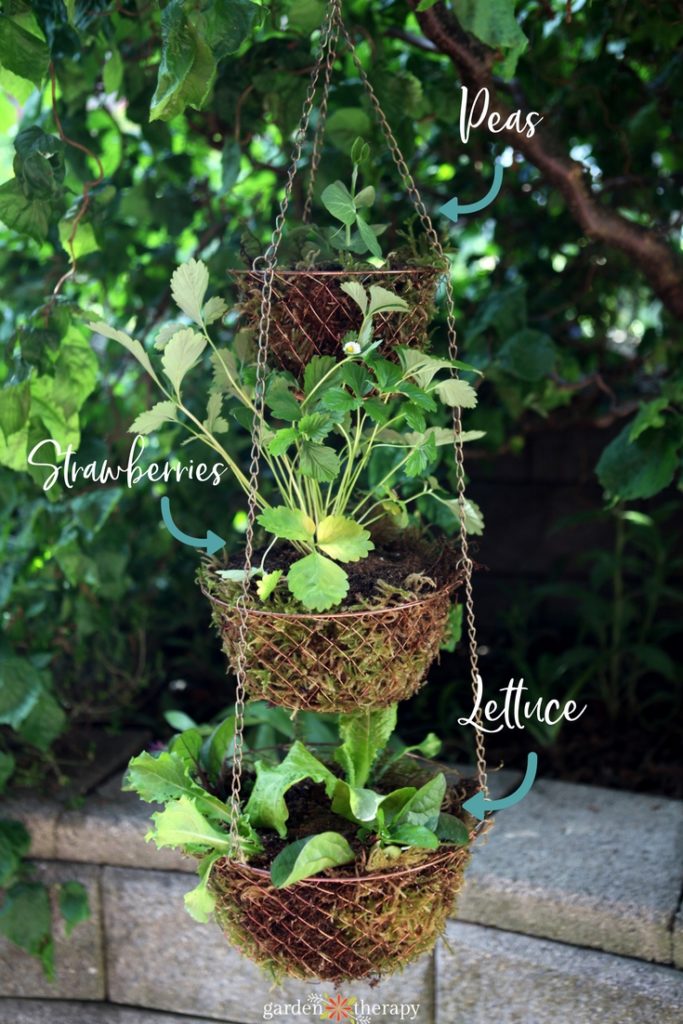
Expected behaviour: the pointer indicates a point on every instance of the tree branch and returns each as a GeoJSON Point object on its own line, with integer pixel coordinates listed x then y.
{"type": "Point", "coordinates": [656, 260]}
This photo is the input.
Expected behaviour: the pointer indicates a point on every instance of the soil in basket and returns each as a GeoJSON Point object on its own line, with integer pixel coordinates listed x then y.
{"type": "Point", "coordinates": [391, 574]}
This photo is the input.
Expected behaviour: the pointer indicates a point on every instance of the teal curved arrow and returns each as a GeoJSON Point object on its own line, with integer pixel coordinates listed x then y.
{"type": "Point", "coordinates": [454, 208]}
{"type": "Point", "coordinates": [212, 542]}
{"type": "Point", "coordinates": [478, 805]}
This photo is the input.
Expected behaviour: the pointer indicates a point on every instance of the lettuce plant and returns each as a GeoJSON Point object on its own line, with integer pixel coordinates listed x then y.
{"type": "Point", "coordinates": [384, 822]}
{"type": "Point", "coordinates": [353, 442]}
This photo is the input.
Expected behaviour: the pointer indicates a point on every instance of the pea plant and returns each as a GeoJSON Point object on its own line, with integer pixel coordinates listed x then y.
{"type": "Point", "coordinates": [348, 445]}
{"type": "Point", "coordinates": [385, 822]}
{"type": "Point", "coordinates": [346, 205]}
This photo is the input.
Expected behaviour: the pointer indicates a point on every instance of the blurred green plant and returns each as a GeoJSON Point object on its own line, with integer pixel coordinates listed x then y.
{"type": "Point", "coordinates": [26, 914]}
{"type": "Point", "coordinates": [625, 619]}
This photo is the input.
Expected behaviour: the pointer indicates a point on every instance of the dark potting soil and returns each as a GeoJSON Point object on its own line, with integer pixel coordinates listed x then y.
{"type": "Point", "coordinates": [310, 813]}
{"type": "Point", "coordinates": [390, 574]}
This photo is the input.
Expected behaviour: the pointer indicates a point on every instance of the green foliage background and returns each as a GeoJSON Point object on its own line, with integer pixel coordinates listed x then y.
{"type": "Point", "coordinates": [172, 125]}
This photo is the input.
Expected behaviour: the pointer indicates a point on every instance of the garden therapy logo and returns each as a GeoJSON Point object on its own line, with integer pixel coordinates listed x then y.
{"type": "Point", "coordinates": [341, 1009]}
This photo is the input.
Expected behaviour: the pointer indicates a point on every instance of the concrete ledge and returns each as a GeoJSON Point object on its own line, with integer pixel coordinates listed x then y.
{"type": "Point", "coordinates": [33, 1011]}
{"type": "Point", "coordinates": [588, 866]}
{"type": "Point", "coordinates": [486, 976]}
{"type": "Point", "coordinates": [678, 939]}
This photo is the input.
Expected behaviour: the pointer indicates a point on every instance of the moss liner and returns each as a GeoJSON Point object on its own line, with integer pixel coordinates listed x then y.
{"type": "Point", "coordinates": [341, 661]}
{"type": "Point", "coordinates": [341, 928]}
{"type": "Point", "coordinates": [310, 314]}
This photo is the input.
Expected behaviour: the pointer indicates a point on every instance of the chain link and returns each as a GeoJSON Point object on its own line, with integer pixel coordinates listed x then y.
{"type": "Point", "coordinates": [322, 111]}
{"type": "Point", "coordinates": [270, 261]}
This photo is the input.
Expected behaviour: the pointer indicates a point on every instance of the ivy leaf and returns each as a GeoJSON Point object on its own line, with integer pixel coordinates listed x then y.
{"type": "Point", "coordinates": [266, 586]}
{"type": "Point", "coordinates": [343, 539]}
{"type": "Point", "coordinates": [7, 766]}
{"type": "Point", "coordinates": [30, 217]}
{"type": "Point", "coordinates": [15, 405]}
{"type": "Point", "coordinates": [303, 16]}
{"type": "Point", "coordinates": [637, 469]}
{"type": "Point", "coordinates": [214, 309]}
{"type": "Point", "coordinates": [152, 419]}
{"type": "Point", "coordinates": [319, 461]}
{"type": "Point", "coordinates": [44, 723]}
{"type": "Point", "coordinates": [181, 354]}
{"type": "Point", "coordinates": [266, 807]}
{"type": "Point", "coordinates": [364, 734]}
{"type": "Point", "coordinates": [337, 199]}
{"type": "Point", "coordinates": [73, 904]}
{"type": "Point", "coordinates": [22, 52]}
{"type": "Point", "coordinates": [529, 355]}
{"type": "Point", "coordinates": [457, 392]}
{"type": "Point", "coordinates": [310, 856]}
{"type": "Point", "coordinates": [287, 523]}
{"type": "Point", "coordinates": [345, 125]}
{"type": "Point", "coordinates": [357, 293]}
{"type": "Point", "coordinates": [188, 66]}
{"type": "Point", "coordinates": [494, 23]}
{"type": "Point", "coordinates": [649, 416]}
{"type": "Point", "coordinates": [26, 920]}
{"type": "Point", "coordinates": [317, 582]}
{"type": "Point", "coordinates": [130, 344]}
{"type": "Point", "coordinates": [188, 287]}
{"type": "Point", "coordinates": [15, 843]}
{"type": "Point", "coordinates": [182, 824]}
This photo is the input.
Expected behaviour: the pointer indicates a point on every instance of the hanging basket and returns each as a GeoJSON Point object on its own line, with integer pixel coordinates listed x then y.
{"type": "Point", "coordinates": [349, 924]}
{"type": "Point", "coordinates": [310, 314]}
{"type": "Point", "coordinates": [337, 661]}
{"type": "Point", "coordinates": [341, 928]}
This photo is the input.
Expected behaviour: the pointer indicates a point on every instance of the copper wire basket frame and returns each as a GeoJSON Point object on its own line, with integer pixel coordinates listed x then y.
{"type": "Point", "coordinates": [361, 612]}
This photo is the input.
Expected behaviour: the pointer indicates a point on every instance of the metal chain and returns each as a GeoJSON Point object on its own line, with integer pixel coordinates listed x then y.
{"type": "Point", "coordinates": [465, 559]}
{"type": "Point", "coordinates": [322, 111]}
{"type": "Point", "coordinates": [270, 261]}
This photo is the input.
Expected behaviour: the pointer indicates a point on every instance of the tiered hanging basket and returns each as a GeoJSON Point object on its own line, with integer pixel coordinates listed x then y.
{"type": "Point", "coordinates": [349, 922]}
{"type": "Point", "coordinates": [310, 314]}
{"type": "Point", "coordinates": [342, 661]}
